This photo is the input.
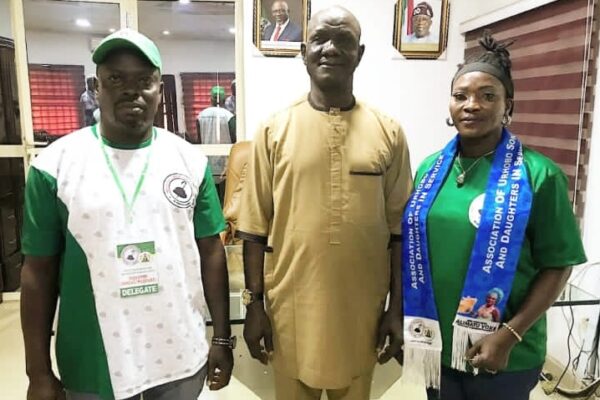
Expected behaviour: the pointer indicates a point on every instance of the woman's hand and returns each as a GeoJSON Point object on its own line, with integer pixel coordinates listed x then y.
{"type": "Point", "coordinates": [492, 352]}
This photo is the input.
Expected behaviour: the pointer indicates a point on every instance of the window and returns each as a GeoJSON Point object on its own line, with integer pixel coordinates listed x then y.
{"type": "Point", "coordinates": [196, 95]}
{"type": "Point", "coordinates": [55, 92]}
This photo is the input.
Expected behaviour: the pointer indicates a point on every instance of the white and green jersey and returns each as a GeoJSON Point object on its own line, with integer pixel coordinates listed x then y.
{"type": "Point", "coordinates": [131, 295]}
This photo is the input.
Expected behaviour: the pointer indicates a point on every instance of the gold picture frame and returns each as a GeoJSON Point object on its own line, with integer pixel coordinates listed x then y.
{"type": "Point", "coordinates": [421, 28]}
{"type": "Point", "coordinates": [284, 42]}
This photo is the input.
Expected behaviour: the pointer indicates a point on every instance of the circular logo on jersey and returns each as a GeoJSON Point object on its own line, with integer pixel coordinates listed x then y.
{"type": "Point", "coordinates": [130, 254]}
{"type": "Point", "coordinates": [419, 329]}
{"type": "Point", "coordinates": [475, 210]}
{"type": "Point", "coordinates": [178, 190]}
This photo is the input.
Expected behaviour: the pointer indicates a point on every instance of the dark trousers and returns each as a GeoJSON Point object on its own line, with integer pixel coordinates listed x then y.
{"type": "Point", "coordinates": [89, 119]}
{"type": "Point", "coordinates": [182, 389]}
{"type": "Point", "coordinates": [457, 385]}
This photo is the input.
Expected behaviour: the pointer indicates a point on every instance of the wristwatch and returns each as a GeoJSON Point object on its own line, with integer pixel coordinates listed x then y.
{"type": "Point", "coordinates": [249, 297]}
{"type": "Point", "coordinates": [227, 342]}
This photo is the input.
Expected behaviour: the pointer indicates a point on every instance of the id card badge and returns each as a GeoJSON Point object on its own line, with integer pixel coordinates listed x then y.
{"type": "Point", "coordinates": [138, 274]}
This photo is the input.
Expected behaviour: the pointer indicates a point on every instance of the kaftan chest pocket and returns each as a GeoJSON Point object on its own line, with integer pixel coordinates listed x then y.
{"type": "Point", "coordinates": [366, 201]}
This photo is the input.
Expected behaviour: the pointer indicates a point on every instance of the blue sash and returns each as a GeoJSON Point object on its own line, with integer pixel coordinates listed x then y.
{"type": "Point", "coordinates": [492, 266]}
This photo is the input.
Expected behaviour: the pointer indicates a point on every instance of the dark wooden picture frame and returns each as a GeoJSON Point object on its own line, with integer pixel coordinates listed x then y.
{"type": "Point", "coordinates": [421, 28]}
{"type": "Point", "coordinates": [284, 42]}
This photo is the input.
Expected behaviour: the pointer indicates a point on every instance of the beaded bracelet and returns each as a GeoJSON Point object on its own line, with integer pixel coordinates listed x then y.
{"type": "Point", "coordinates": [513, 331]}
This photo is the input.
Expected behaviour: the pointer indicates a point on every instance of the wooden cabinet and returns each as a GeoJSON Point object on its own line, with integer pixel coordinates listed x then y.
{"type": "Point", "coordinates": [12, 179]}
{"type": "Point", "coordinates": [10, 127]}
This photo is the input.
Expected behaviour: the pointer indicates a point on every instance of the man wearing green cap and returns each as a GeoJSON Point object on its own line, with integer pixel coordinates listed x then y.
{"type": "Point", "coordinates": [213, 128]}
{"type": "Point", "coordinates": [212, 122]}
{"type": "Point", "coordinates": [121, 223]}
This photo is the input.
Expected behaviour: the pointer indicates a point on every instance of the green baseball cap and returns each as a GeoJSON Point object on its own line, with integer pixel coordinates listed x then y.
{"type": "Point", "coordinates": [217, 91]}
{"type": "Point", "coordinates": [128, 39]}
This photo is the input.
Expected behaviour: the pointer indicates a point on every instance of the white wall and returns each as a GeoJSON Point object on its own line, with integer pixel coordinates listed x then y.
{"type": "Point", "coordinates": [177, 55]}
{"type": "Point", "coordinates": [477, 8]}
{"type": "Point", "coordinates": [587, 278]}
{"type": "Point", "coordinates": [592, 210]}
{"type": "Point", "coordinates": [416, 93]}
{"type": "Point", "coordinates": [59, 48]}
{"type": "Point", "coordinates": [5, 25]}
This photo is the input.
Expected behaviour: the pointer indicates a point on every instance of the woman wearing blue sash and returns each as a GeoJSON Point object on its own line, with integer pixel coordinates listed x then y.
{"type": "Point", "coordinates": [489, 241]}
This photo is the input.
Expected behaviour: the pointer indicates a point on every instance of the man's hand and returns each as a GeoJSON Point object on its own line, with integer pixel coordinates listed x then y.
{"type": "Point", "coordinates": [257, 327]}
{"type": "Point", "coordinates": [46, 387]}
{"type": "Point", "coordinates": [392, 327]}
{"type": "Point", "coordinates": [491, 353]}
{"type": "Point", "coordinates": [220, 366]}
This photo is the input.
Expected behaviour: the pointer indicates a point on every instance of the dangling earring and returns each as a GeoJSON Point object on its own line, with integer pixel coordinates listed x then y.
{"type": "Point", "coordinates": [449, 122]}
{"type": "Point", "coordinates": [506, 120]}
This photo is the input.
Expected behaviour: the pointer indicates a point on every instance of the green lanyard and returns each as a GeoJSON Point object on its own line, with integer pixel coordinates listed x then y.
{"type": "Point", "coordinates": [115, 175]}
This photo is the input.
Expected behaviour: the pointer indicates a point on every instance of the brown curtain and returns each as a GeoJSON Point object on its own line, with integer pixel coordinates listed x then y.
{"type": "Point", "coordinates": [554, 58]}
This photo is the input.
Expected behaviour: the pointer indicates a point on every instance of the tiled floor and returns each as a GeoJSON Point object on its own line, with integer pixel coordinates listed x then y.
{"type": "Point", "coordinates": [251, 380]}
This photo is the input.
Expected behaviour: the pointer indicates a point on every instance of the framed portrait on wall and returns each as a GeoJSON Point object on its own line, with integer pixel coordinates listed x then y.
{"type": "Point", "coordinates": [421, 28]}
{"type": "Point", "coordinates": [280, 26]}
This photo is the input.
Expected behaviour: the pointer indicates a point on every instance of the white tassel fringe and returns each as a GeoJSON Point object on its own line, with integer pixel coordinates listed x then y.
{"type": "Point", "coordinates": [462, 340]}
{"type": "Point", "coordinates": [422, 367]}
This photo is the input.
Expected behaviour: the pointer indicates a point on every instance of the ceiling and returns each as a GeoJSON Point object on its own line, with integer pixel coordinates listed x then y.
{"type": "Point", "coordinates": [198, 20]}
